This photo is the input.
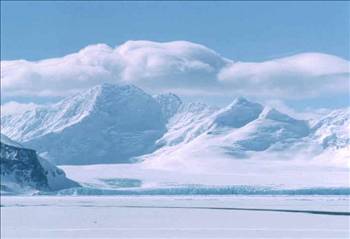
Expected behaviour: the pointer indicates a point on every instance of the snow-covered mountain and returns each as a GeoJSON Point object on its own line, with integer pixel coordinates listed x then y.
{"type": "Point", "coordinates": [331, 133]}
{"type": "Point", "coordinates": [242, 130]}
{"type": "Point", "coordinates": [104, 124]}
{"type": "Point", "coordinates": [22, 170]}
{"type": "Point", "coordinates": [333, 130]}
{"type": "Point", "coordinates": [121, 124]}
{"type": "Point", "coordinates": [189, 122]}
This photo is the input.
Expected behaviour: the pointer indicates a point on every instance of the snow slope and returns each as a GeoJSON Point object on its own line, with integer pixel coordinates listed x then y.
{"type": "Point", "coordinates": [6, 140]}
{"type": "Point", "coordinates": [333, 130]}
{"type": "Point", "coordinates": [42, 120]}
{"type": "Point", "coordinates": [331, 133]}
{"type": "Point", "coordinates": [241, 130]}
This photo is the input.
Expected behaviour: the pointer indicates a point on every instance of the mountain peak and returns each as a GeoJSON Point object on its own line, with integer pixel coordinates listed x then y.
{"type": "Point", "coordinates": [169, 104]}
{"type": "Point", "coordinates": [125, 105]}
{"type": "Point", "coordinates": [240, 100]}
{"type": "Point", "coordinates": [107, 85]}
{"type": "Point", "coordinates": [239, 113]}
{"type": "Point", "coordinates": [108, 88]}
{"type": "Point", "coordinates": [168, 95]}
{"type": "Point", "coordinates": [275, 115]}
{"type": "Point", "coordinates": [104, 124]}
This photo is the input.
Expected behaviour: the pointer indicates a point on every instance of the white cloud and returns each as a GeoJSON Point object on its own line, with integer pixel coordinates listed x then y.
{"type": "Point", "coordinates": [180, 66]}
{"type": "Point", "coordinates": [299, 76]}
{"type": "Point", "coordinates": [12, 107]}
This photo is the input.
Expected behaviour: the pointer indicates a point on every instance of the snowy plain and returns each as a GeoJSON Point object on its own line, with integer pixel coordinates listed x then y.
{"type": "Point", "coordinates": [175, 217]}
{"type": "Point", "coordinates": [263, 173]}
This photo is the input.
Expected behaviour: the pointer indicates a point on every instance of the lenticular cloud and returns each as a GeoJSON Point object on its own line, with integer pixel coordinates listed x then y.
{"type": "Point", "coordinates": [180, 66]}
{"type": "Point", "coordinates": [307, 74]}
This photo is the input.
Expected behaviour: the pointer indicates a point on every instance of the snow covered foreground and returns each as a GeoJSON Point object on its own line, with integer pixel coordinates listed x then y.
{"type": "Point", "coordinates": [175, 217]}
{"type": "Point", "coordinates": [234, 178]}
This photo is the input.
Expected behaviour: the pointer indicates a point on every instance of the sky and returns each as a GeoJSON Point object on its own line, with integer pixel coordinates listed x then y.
{"type": "Point", "coordinates": [245, 32]}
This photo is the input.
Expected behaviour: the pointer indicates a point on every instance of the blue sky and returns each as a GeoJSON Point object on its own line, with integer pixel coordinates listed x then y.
{"type": "Point", "coordinates": [246, 31]}
{"type": "Point", "coordinates": [240, 31]}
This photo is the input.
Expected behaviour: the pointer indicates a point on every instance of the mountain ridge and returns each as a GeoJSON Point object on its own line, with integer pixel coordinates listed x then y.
{"type": "Point", "coordinates": [112, 123]}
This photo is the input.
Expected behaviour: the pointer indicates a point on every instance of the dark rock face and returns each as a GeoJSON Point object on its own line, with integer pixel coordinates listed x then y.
{"type": "Point", "coordinates": [23, 167]}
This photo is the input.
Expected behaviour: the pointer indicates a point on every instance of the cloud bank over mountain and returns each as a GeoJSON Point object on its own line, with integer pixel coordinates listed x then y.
{"type": "Point", "coordinates": [182, 67]}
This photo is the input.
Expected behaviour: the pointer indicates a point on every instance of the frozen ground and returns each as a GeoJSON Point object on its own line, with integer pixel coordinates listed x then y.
{"type": "Point", "coordinates": [242, 177]}
{"type": "Point", "coordinates": [175, 217]}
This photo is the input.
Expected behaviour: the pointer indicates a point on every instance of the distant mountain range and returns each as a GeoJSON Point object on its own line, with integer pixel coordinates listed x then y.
{"type": "Point", "coordinates": [122, 124]}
